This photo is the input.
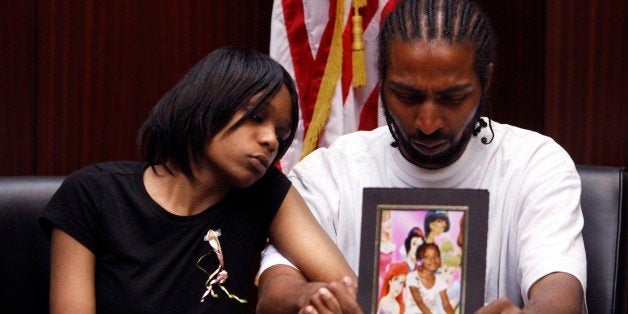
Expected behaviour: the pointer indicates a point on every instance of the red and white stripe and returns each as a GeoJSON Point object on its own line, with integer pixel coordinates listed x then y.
{"type": "Point", "coordinates": [301, 34]}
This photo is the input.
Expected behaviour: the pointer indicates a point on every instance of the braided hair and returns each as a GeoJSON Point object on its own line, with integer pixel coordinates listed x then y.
{"type": "Point", "coordinates": [456, 21]}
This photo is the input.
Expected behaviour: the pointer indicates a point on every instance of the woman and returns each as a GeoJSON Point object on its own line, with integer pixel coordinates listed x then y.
{"type": "Point", "coordinates": [427, 288]}
{"type": "Point", "coordinates": [183, 231]}
{"type": "Point", "coordinates": [391, 298]}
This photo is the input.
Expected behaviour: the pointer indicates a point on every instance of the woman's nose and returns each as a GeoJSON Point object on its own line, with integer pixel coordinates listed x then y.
{"type": "Point", "coordinates": [268, 139]}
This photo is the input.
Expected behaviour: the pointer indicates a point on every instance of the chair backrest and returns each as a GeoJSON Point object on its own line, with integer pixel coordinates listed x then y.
{"type": "Point", "coordinates": [24, 249]}
{"type": "Point", "coordinates": [603, 203]}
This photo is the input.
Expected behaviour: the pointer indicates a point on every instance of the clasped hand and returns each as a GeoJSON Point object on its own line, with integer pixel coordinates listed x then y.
{"type": "Point", "coordinates": [332, 297]}
{"type": "Point", "coordinates": [501, 306]}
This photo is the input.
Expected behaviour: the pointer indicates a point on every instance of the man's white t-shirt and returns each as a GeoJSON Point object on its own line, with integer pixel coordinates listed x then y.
{"type": "Point", "coordinates": [535, 220]}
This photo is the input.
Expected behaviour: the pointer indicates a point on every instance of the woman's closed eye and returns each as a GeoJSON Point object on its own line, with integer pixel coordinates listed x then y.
{"type": "Point", "coordinates": [281, 134]}
{"type": "Point", "coordinates": [256, 117]}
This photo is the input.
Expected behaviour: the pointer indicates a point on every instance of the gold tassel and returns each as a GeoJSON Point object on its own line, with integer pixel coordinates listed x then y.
{"type": "Point", "coordinates": [333, 69]}
{"type": "Point", "coordinates": [357, 46]}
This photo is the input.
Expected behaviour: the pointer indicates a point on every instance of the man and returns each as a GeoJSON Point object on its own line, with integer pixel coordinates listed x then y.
{"type": "Point", "coordinates": [435, 64]}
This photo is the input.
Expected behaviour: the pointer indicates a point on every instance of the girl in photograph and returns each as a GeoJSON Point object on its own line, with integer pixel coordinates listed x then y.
{"type": "Point", "coordinates": [427, 289]}
{"type": "Point", "coordinates": [183, 231]}
{"type": "Point", "coordinates": [391, 296]}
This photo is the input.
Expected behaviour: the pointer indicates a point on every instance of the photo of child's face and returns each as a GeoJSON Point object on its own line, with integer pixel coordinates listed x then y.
{"type": "Point", "coordinates": [430, 259]}
{"type": "Point", "coordinates": [396, 284]}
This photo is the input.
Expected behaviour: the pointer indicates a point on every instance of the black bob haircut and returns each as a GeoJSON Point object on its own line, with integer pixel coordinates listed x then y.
{"type": "Point", "coordinates": [205, 100]}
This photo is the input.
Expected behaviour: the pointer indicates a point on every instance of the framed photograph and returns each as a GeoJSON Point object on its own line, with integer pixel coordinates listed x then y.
{"type": "Point", "coordinates": [422, 249]}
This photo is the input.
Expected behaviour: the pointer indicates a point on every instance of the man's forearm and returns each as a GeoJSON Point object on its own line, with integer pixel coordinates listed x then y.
{"type": "Point", "coordinates": [556, 293]}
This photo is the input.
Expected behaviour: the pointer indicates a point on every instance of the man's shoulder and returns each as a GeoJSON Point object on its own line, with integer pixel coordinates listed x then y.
{"type": "Point", "coordinates": [350, 151]}
{"type": "Point", "coordinates": [519, 139]}
{"type": "Point", "coordinates": [354, 146]}
{"type": "Point", "coordinates": [360, 139]}
{"type": "Point", "coordinates": [515, 133]}
{"type": "Point", "coordinates": [533, 151]}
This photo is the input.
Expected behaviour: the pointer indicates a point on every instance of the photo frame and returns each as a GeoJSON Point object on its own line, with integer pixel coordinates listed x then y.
{"type": "Point", "coordinates": [398, 223]}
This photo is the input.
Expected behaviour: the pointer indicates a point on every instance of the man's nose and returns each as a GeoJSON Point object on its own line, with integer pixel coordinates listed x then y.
{"type": "Point", "coordinates": [428, 119]}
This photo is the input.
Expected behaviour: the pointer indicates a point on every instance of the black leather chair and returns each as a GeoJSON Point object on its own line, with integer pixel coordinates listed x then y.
{"type": "Point", "coordinates": [605, 233]}
{"type": "Point", "coordinates": [24, 249]}
{"type": "Point", "coordinates": [25, 256]}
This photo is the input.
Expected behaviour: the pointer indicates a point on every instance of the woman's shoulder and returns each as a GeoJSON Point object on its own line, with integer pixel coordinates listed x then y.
{"type": "Point", "coordinates": [108, 168]}
{"type": "Point", "coordinates": [99, 175]}
{"type": "Point", "coordinates": [274, 181]}
{"type": "Point", "coordinates": [266, 193]}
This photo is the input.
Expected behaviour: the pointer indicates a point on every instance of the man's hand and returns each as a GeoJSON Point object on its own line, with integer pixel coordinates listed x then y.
{"type": "Point", "coordinates": [333, 297]}
{"type": "Point", "coordinates": [502, 306]}
{"type": "Point", "coordinates": [282, 289]}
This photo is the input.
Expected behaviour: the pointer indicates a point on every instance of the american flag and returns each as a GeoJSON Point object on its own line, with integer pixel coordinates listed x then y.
{"type": "Point", "coordinates": [313, 40]}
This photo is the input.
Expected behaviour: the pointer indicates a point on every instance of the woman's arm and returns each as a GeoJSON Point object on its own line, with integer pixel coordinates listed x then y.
{"type": "Point", "coordinates": [446, 304]}
{"type": "Point", "coordinates": [325, 281]}
{"type": "Point", "coordinates": [72, 272]}
{"type": "Point", "coordinates": [283, 289]}
{"type": "Point", "coordinates": [298, 236]}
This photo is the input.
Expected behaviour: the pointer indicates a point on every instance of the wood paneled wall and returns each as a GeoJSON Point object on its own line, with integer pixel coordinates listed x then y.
{"type": "Point", "coordinates": [77, 78]}
{"type": "Point", "coordinates": [83, 75]}
{"type": "Point", "coordinates": [586, 100]}
{"type": "Point", "coordinates": [518, 78]}
{"type": "Point", "coordinates": [559, 72]}
{"type": "Point", "coordinates": [17, 87]}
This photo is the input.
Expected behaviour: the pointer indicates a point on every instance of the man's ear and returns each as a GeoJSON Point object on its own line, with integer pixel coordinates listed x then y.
{"type": "Point", "coordinates": [489, 76]}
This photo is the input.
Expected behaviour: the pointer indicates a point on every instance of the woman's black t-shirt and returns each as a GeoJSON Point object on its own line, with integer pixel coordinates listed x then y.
{"type": "Point", "coordinates": [146, 257]}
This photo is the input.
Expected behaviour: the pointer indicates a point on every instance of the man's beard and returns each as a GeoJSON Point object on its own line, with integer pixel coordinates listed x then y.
{"type": "Point", "coordinates": [436, 161]}
{"type": "Point", "coordinates": [442, 159]}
